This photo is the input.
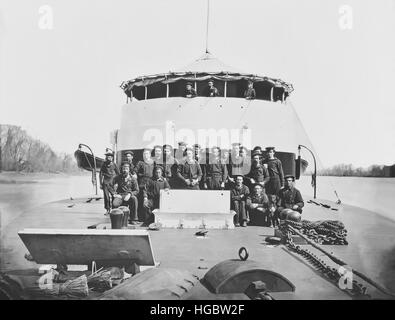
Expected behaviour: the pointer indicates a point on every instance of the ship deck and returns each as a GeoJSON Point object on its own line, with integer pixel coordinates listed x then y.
{"type": "Point", "coordinates": [371, 248]}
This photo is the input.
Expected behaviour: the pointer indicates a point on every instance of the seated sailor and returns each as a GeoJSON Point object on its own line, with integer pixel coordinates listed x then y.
{"type": "Point", "coordinates": [152, 193]}
{"type": "Point", "coordinates": [216, 172]}
{"type": "Point", "coordinates": [258, 172]}
{"type": "Point", "coordinates": [249, 93]}
{"type": "Point", "coordinates": [290, 201]}
{"type": "Point", "coordinates": [238, 196]}
{"type": "Point", "coordinates": [211, 91]}
{"type": "Point", "coordinates": [189, 171]}
{"type": "Point", "coordinates": [258, 205]}
{"type": "Point", "coordinates": [125, 190]}
{"type": "Point", "coordinates": [190, 92]}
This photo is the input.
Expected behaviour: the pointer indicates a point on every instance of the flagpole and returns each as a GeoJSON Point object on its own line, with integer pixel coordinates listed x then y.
{"type": "Point", "coordinates": [208, 14]}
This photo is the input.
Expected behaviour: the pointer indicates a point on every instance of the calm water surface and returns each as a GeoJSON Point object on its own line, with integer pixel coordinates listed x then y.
{"type": "Point", "coordinates": [375, 194]}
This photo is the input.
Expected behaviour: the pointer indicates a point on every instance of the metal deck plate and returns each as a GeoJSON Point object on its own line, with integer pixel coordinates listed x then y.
{"type": "Point", "coordinates": [82, 246]}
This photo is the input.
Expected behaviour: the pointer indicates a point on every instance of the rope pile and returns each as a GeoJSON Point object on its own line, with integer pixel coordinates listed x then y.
{"type": "Point", "coordinates": [331, 232]}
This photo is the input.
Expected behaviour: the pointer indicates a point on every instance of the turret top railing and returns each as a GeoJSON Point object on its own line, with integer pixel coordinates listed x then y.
{"type": "Point", "coordinates": [229, 85]}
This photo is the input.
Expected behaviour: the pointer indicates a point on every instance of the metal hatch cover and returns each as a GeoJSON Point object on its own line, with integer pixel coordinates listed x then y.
{"type": "Point", "coordinates": [234, 276]}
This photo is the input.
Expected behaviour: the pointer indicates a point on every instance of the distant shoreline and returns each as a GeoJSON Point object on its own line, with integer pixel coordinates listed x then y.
{"type": "Point", "coordinates": [13, 177]}
{"type": "Point", "coordinates": [347, 176]}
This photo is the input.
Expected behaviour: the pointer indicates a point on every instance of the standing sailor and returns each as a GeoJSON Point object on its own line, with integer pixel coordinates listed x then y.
{"type": "Point", "coordinates": [129, 159]}
{"type": "Point", "coordinates": [180, 151]}
{"type": "Point", "coordinates": [249, 93]}
{"type": "Point", "coordinates": [216, 172]}
{"type": "Point", "coordinates": [108, 172]}
{"type": "Point", "coordinates": [125, 191]}
{"type": "Point", "coordinates": [246, 161]}
{"type": "Point", "coordinates": [276, 173]}
{"type": "Point", "coordinates": [158, 155]}
{"type": "Point", "coordinates": [145, 171]}
{"type": "Point", "coordinates": [190, 92]}
{"type": "Point", "coordinates": [200, 157]}
{"type": "Point", "coordinates": [211, 91]}
{"type": "Point", "coordinates": [235, 166]}
{"type": "Point", "coordinates": [239, 195]}
{"type": "Point", "coordinates": [290, 201]}
{"type": "Point", "coordinates": [259, 173]}
{"type": "Point", "coordinates": [189, 171]}
{"type": "Point", "coordinates": [145, 168]}
{"type": "Point", "coordinates": [152, 193]}
{"type": "Point", "coordinates": [170, 165]}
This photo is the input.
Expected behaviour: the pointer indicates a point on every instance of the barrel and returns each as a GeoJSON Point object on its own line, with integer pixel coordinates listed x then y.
{"type": "Point", "coordinates": [116, 217]}
{"type": "Point", "coordinates": [125, 218]}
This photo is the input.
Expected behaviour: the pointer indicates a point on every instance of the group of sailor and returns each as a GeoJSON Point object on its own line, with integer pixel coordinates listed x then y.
{"type": "Point", "coordinates": [260, 193]}
{"type": "Point", "coordinates": [212, 91]}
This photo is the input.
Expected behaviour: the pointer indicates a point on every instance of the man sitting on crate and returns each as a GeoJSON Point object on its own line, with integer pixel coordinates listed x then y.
{"type": "Point", "coordinates": [290, 201]}
{"type": "Point", "coordinates": [239, 195]}
{"type": "Point", "coordinates": [258, 205]}
{"type": "Point", "coordinates": [152, 193]}
{"type": "Point", "coordinates": [125, 190]}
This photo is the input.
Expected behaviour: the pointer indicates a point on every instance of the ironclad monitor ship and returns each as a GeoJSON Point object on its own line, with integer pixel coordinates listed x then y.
{"type": "Point", "coordinates": [215, 261]}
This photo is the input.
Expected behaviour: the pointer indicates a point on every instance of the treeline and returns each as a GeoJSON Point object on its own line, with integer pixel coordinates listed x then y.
{"type": "Point", "coordinates": [20, 152]}
{"type": "Point", "coordinates": [348, 170]}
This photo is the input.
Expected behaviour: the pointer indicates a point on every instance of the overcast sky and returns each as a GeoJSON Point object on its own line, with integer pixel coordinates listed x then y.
{"type": "Point", "coordinates": [62, 84]}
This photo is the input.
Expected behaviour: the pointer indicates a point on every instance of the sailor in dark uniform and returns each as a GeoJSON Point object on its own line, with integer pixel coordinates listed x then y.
{"type": "Point", "coordinates": [145, 171]}
{"type": "Point", "coordinates": [190, 92]}
{"type": "Point", "coordinates": [235, 166]}
{"type": "Point", "coordinates": [179, 155]}
{"type": "Point", "coordinates": [125, 187]}
{"type": "Point", "coordinates": [258, 206]}
{"type": "Point", "coordinates": [145, 168]}
{"type": "Point", "coordinates": [216, 171]}
{"type": "Point", "coordinates": [211, 91]}
{"type": "Point", "coordinates": [108, 172]}
{"type": "Point", "coordinates": [170, 165]}
{"type": "Point", "coordinates": [290, 202]}
{"type": "Point", "coordinates": [200, 157]}
{"type": "Point", "coordinates": [158, 155]}
{"type": "Point", "coordinates": [275, 168]}
{"type": "Point", "coordinates": [189, 171]}
{"type": "Point", "coordinates": [238, 195]}
{"type": "Point", "coordinates": [152, 193]}
{"type": "Point", "coordinates": [246, 161]}
{"type": "Point", "coordinates": [258, 173]}
{"type": "Point", "coordinates": [249, 93]}
{"type": "Point", "coordinates": [259, 149]}
{"type": "Point", "coordinates": [129, 159]}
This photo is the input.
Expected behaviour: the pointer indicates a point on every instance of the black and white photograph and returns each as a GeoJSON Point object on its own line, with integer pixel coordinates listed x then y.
{"type": "Point", "coordinates": [177, 151]}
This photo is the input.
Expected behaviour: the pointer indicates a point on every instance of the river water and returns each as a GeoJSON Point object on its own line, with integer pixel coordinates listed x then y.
{"type": "Point", "coordinates": [374, 194]}
{"type": "Point", "coordinates": [19, 193]}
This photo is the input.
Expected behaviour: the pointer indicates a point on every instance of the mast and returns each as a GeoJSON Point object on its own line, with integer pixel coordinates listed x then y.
{"type": "Point", "coordinates": [208, 14]}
